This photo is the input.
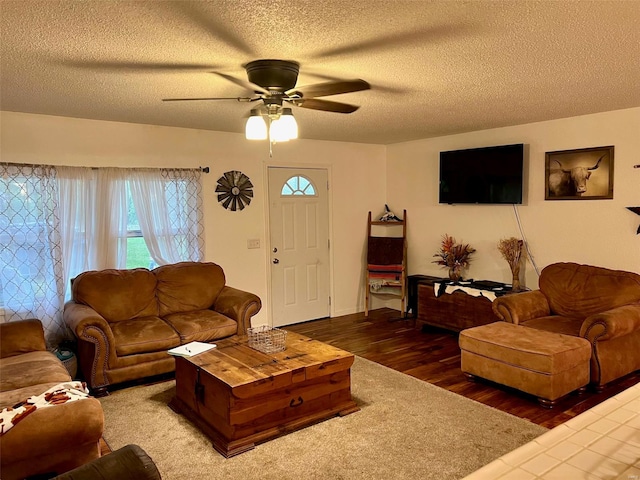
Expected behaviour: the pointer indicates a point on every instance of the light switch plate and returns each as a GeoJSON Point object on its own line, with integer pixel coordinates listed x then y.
{"type": "Point", "coordinates": [253, 243]}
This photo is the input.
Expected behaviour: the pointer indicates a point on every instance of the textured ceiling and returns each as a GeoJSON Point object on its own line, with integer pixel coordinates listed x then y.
{"type": "Point", "coordinates": [436, 68]}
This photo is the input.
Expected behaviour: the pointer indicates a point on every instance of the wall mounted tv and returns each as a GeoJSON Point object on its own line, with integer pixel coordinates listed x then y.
{"type": "Point", "coordinates": [490, 175]}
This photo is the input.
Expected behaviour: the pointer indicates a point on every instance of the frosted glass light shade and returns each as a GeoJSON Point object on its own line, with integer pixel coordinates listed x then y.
{"type": "Point", "coordinates": [289, 124]}
{"type": "Point", "coordinates": [277, 131]}
{"type": "Point", "coordinates": [256, 127]}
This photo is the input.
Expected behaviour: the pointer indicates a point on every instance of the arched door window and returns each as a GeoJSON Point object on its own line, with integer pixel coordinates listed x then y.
{"type": "Point", "coordinates": [298, 185]}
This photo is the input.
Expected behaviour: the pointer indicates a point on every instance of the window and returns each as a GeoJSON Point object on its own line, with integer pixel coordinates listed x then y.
{"type": "Point", "coordinates": [57, 222]}
{"type": "Point", "coordinates": [298, 185]}
{"type": "Point", "coordinates": [137, 252]}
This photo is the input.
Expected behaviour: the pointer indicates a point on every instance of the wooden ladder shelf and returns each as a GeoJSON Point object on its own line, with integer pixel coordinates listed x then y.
{"type": "Point", "coordinates": [386, 262]}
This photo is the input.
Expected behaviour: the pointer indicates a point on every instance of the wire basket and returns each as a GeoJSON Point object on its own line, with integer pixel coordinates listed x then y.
{"type": "Point", "coordinates": [267, 339]}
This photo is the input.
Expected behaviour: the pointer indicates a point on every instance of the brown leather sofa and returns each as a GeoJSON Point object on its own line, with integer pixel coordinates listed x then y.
{"type": "Point", "coordinates": [598, 304]}
{"type": "Point", "coordinates": [126, 320]}
{"type": "Point", "coordinates": [48, 440]}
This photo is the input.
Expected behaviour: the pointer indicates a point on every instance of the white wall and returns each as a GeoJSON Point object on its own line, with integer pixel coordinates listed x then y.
{"type": "Point", "coordinates": [596, 232]}
{"type": "Point", "coordinates": [363, 178]}
{"type": "Point", "coordinates": [357, 177]}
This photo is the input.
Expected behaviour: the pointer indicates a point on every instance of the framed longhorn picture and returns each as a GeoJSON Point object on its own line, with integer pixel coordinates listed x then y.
{"type": "Point", "coordinates": [583, 174]}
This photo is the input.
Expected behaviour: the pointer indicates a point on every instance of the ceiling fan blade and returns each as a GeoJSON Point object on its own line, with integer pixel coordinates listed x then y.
{"type": "Point", "coordinates": [243, 83]}
{"type": "Point", "coordinates": [378, 87]}
{"type": "Point", "coordinates": [325, 105]}
{"type": "Point", "coordinates": [414, 37]}
{"type": "Point", "coordinates": [208, 21]}
{"type": "Point", "coordinates": [239, 99]}
{"type": "Point", "coordinates": [118, 66]}
{"type": "Point", "coordinates": [330, 88]}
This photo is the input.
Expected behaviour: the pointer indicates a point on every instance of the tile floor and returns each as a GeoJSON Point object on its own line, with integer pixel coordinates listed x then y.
{"type": "Point", "coordinates": [601, 443]}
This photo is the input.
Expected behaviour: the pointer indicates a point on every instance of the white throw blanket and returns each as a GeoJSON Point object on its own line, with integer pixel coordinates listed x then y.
{"type": "Point", "coordinates": [57, 395]}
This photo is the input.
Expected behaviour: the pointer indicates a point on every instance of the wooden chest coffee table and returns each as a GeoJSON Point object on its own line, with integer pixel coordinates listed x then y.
{"type": "Point", "coordinates": [239, 396]}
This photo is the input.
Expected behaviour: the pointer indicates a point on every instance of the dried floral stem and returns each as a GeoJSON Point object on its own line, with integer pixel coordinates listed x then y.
{"type": "Point", "coordinates": [511, 250]}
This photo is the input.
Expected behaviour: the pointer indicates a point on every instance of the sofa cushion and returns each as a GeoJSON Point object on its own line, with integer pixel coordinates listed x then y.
{"type": "Point", "coordinates": [29, 374]}
{"type": "Point", "coordinates": [31, 369]}
{"type": "Point", "coordinates": [575, 290]}
{"type": "Point", "coordinates": [188, 286]}
{"type": "Point", "coordinates": [202, 325]}
{"type": "Point", "coordinates": [117, 294]}
{"type": "Point", "coordinates": [556, 324]}
{"type": "Point", "coordinates": [142, 335]}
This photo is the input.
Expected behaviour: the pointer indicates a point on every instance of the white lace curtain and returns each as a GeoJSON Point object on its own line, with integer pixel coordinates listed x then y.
{"type": "Point", "coordinates": [56, 222]}
{"type": "Point", "coordinates": [169, 207]}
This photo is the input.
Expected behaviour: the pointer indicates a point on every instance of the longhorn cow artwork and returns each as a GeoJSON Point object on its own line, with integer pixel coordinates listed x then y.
{"type": "Point", "coordinates": [579, 174]}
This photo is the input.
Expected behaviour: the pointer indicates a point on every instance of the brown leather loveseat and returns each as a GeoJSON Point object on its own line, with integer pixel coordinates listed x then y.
{"type": "Point", "coordinates": [126, 320]}
{"type": "Point", "coordinates": [598, 304]}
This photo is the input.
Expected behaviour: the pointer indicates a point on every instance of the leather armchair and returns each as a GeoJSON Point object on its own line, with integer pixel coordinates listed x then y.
{"type": "Point", "coordinates": [595, 303]}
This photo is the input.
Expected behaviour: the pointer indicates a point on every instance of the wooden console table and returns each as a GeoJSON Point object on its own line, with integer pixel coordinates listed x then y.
{"type": "Point", "coordinates": [412, 291]}
{"type": "Point", "coordinates": [452, 311]}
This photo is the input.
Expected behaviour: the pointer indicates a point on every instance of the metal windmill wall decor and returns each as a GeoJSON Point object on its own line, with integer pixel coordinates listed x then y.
{"type": "Point", "coordinates": [234, 190]}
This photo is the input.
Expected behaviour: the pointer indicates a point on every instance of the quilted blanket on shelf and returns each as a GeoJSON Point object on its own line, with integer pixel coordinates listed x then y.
{"type": "Point", "coordinates": [381, 276]}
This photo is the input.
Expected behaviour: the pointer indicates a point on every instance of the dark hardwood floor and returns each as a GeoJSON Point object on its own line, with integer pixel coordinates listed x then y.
{"type": "Point", "coordinates": [433, 355]}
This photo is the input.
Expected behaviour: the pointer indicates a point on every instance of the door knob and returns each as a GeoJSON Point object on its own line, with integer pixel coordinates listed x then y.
{"type": "Point", "coordinates": [275, 250]}
{"type": "Point", "coordinates": [275, 260]}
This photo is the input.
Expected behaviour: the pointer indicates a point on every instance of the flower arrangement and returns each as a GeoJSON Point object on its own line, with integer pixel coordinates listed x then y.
{"type": "Point", "coordinates": [511, 250]}
{"type": "Point", "coordinates": [454, 256]}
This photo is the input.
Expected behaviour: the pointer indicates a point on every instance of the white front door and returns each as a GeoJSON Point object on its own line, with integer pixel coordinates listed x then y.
{"type": "Point", "coordinates": [299, 227]}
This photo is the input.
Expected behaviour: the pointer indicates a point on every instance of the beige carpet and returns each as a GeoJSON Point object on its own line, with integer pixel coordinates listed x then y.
{"type": "Point", "coordinates": [406, 429]}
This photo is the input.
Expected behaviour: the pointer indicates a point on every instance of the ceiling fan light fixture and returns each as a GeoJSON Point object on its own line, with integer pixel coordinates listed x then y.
{"type": "Point", "coordinates": [256, 127]}
{"type": "Point", "coordinates": [278, 131]}
{"type": "Point", "coordinates": [289, 124]}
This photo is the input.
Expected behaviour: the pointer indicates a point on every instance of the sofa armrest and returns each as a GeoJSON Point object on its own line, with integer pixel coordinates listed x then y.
{"type": "Point", "coordinates": [21, 336]}
{"type": "Point", "coordinates": [611, 324]}
{"type": "Point", "coordinates": [521, 307]}
{"type": "Point", "coordinates": [78, 317]}
{"type": "Point", "coordinates": [61, 428]}
{"type": "Point", "coordinates": [239, 306]}
{"type": "Point", "coordinates": [99, 348]}
{"type": "Point", "coordinates": [130, 461]}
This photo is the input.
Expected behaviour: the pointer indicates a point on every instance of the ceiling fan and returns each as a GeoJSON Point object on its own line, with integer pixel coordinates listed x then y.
{"type": "Point", "coordinates": [274, 83]}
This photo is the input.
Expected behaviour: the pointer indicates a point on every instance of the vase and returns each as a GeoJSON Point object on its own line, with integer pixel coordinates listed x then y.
{"type": "Point", "coordinates": [455, 273]}
{"type": "Point", "coordinates": [515, 281]}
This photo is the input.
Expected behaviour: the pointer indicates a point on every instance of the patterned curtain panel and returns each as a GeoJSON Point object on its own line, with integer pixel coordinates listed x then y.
{"type": "Point", "coordinates": [184, 200]}
{"type": "Point", "coordinates": [31, 270]}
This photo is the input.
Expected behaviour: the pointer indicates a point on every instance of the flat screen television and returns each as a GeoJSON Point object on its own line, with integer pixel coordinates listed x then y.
{"type": "Point", "coordinates": [490, 175]}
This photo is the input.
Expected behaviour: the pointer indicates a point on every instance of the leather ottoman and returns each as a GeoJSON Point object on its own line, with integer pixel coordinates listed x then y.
{"type": "Point", "coordinates": [545, 364]}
